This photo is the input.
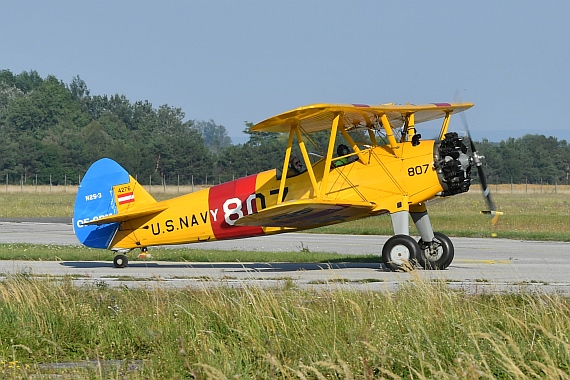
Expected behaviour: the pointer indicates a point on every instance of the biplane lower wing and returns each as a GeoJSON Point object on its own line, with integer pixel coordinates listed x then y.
{"type": "Point", "coordinates": [309, 213]}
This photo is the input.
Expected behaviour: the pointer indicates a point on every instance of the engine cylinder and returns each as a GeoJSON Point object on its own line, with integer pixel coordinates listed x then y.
{"type": "Point", "coordinates": [453, 164]}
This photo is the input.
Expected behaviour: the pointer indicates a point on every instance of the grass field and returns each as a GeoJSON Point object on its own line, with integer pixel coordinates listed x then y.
{"type": "Point", "coordinates": [527, 216]}
{"type": "Point", "coordinates": [50, 252]}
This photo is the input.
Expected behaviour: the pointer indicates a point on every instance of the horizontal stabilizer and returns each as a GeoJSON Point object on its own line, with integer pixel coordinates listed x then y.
{"type": "Point", "coordinates": [131, 214]}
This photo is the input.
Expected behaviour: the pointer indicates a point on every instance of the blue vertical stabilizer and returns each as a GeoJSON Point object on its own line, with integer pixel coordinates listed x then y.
{"type": "Point", "coordinates": [95, 199]}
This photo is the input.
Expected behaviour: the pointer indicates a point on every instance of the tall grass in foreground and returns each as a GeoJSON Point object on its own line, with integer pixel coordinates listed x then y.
{"type": "Point", "coordinates": [424, 330]}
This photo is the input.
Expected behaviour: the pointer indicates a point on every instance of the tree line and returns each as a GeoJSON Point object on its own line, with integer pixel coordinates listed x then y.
{"type": "Point", "coordinates": [529, 159]}
{"type": "Point", "coordinates": [53, 131]}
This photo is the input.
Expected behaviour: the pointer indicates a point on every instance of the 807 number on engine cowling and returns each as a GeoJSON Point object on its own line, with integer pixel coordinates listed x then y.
{"type": "Point", "coordinates": [418, 170]}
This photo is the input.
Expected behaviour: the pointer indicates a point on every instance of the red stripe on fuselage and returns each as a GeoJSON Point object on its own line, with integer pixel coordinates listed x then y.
{"type": "Point", "coordinates": [233, 200]}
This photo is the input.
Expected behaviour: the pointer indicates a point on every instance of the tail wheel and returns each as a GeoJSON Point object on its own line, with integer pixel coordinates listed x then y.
{"type": "Point", "coordinates": [436, 254]}
{"type": "Point", "coordinates": [400, 252]}
{"type": "Point", "coordinates": [120, 261]}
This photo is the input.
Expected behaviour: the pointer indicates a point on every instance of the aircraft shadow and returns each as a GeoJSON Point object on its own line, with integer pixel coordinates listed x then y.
{"type": "Point", "coordinates": [233, 267]}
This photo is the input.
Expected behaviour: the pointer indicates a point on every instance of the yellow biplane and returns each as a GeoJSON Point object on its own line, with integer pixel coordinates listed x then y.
{"type": "Point", "coordinates": [375, 162]}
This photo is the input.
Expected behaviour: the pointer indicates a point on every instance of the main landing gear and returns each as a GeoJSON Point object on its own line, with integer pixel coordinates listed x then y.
{"type": "Point", "coordinates": [436, 254]}
{"type": "Point", "coordinates": [401, 252]}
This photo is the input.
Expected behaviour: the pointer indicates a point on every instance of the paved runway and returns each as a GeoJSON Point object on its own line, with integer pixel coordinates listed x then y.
{"type": "Point", "coordinates": [480, 265]}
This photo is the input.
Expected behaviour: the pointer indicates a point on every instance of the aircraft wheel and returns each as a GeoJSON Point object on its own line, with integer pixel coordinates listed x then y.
{"type": "Point", "coordinates": [120, 261]}
{"type": "Point", "coordinates": [400, 253]}
{"type": "Point", "coordinates": [437, 254]}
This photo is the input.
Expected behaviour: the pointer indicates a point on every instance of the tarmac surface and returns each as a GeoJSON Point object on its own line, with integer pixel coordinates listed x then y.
{"type": "Point", "coordinates": [480, 265]}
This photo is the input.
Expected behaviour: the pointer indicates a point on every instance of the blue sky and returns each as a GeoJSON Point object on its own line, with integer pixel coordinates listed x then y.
{"type": "Point", "coordinates": [237, 61]}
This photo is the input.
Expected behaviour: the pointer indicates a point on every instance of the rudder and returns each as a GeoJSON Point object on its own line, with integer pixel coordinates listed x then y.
{"type": "Point", "coordinates": [107, 189]}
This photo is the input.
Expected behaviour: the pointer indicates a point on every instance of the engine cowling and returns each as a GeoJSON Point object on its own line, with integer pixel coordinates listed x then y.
{"type": "Point", "coordinates": [453, 164]}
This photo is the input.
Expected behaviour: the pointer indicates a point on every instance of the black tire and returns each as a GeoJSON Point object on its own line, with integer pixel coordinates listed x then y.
{"type": "Point", "coordinates": [437, 255]}
{"type": "Point", "coordinates": [400, 253]}
{"type": "Point", "coordinates": [120, 261]}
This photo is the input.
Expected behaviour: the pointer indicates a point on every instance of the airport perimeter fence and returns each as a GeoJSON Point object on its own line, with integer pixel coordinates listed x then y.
{"type": "Point", "coordinates": [185, 184]}
{"type": "Point", "coordinates": [64, 183]}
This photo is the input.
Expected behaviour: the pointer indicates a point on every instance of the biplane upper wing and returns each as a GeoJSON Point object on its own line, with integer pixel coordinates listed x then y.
{"type": "Point", "coordinates": [307, 213]}
{"type": "Point", "coordinates": [318, 117]}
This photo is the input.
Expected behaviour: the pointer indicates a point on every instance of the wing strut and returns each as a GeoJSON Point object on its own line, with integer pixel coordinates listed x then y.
{"type": "Point", "coordinates": [390, 135]}
{"type": "Point", "coordinates": [445, 125]}
{"type": "Point", "coordinates": [307, 160]}
{"type": "Point", "coordinates": [353, 144]}
{"type": "Point", "coordinates": [330, 150]}
{"type": "Point", "coordinates": [409, 129]}
{"type": "Point", "coordinates": [295, 132]}
{"type": "Point", "coordinates": [370, 130]}
{"type": "Point", "coordinates": [285, 165]}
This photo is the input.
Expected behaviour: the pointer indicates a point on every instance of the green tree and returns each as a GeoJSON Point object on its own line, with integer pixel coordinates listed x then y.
{"type": "Point", "coordinates": [531, 158]}
{"type": "Point", "coordinates": [45, 107]}
{"type": "Point", "coordinates": [25, 81]}
{"type": "Point", "coordinates": [263, 151]}
{"type": "Point", "coordinates": [7, 94]}
{"type": "Point", "coordinates": [96, 141]}
{"type": "Point", "coordinates": [215, 136]}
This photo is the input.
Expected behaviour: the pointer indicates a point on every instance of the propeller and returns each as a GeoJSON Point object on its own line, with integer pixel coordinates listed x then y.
{"type": "Point", "coordinates": [492, 211]}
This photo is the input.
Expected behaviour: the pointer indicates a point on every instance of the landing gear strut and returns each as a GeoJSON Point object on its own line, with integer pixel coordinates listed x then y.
{"type": "Point", "coordinates": [144, 253]}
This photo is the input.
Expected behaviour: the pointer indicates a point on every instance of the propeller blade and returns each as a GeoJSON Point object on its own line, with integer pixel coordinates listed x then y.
{"type": "Point", "coordinates": [478, 163]}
